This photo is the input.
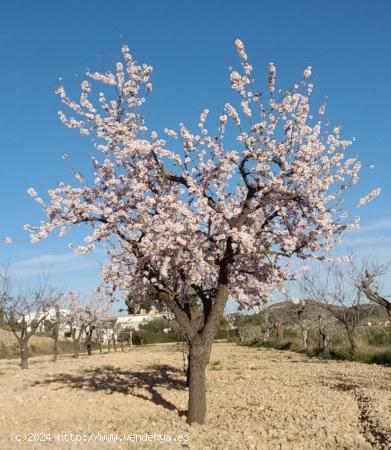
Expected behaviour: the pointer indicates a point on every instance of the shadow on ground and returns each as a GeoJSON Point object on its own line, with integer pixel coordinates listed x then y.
{"type": "Point", "coordinates": [109, 379]}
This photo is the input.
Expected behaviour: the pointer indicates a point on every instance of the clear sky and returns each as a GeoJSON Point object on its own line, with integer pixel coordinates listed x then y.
{"type": "Point", "coordinates": [190, 45]}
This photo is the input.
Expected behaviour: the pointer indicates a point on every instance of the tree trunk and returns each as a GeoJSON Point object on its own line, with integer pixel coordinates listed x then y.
{"type": "Point", "coordinates": [322, 342]}
{"type": "Point", "coordinates": [55, 349]}
{"type": "Point", "coordinates": [24, 355]}
{"type": "Point", "coordinates": [352, 341]}
{"type": "Point", "coordinates": [89, 333]}
{"type": "Point", "coordinates": [279, 332]}
{"type": "Point", "coordinates": [75, 349]}
{"type": "Point", "coordinates": [304, 332]}
{"type": "Point", "coordinates": [198, 360]}
{"type": "Point", "coordinates": [75, 340]}
{"type": "Point", "coordinates": [186, 362]}
{"type": "Point", "coordinates": [188, 370]}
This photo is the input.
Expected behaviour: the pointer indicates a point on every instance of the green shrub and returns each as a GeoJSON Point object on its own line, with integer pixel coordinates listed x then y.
{"type": "Point", "coordinates": [378, 336]}
{"type": "Point", "coordinates": [290, 333]}
{"type": "Point", "coordinates": [252, 319]}
{"type": "Point", "coordinates": [225, 333]}
{"type": "Point", "coordinates": [383, 358]}
{"type": "Point", "coordinates": [144, 337]}
{"type": "Point", "coordinates": [4, 351]}
{"type": "Point", "coordinates": [65, 347]}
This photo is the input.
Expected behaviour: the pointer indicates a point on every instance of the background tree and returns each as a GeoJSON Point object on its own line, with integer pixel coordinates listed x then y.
{"type": "Point", "coordinates": [325, 328]}
{"type": "Point", "coordinates": [74, 320]}
{"type": "Point", "coordinates": [367, 279]}
{"type": "Point", "coordinates": [26, 311]}
{"type": "Point", "coordinates": [110, 331]}
{"type": "Point", "coordinates": [7, 287]}
{"type": "Point", "coordinates": [93, 312]}
{"type": "Point", "coordinates": [84, 317]}
{"type": "Point", "coordinates": [304, 324]}
{"type": "Point", "coordinates": [314, 321]}
{"type": "Point", "coordinates": [338, 291]}
{"type": "Point", "coordinates": [52, 326]}
{"type": "Point", "coordinates": [218, 218]}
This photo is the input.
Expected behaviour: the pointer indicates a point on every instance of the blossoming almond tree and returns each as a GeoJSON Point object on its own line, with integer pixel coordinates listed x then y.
{"type": "Point", "coordinates": [217, 219]}
{"type": "Point", "coordinates": [83, 318]}
{"type": "Point", "coordinates": [94, 311]}
{"type": "Point", "coordinates": [74, 319]}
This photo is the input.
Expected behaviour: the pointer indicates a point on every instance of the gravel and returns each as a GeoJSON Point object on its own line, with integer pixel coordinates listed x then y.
{"type": "Point", "coordinates": [257, 399]}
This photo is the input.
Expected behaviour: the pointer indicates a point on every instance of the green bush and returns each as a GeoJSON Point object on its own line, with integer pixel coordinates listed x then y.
{"type": "Point", "coordinates": [378, 336]}
{"type": "Point", "coordinates": [144, 337]}
{"type": "Point", "coordinates": [383, 358]}
{"type": "Point", "coordinates": [4, 351]}
{"type": "Point", "coordinates": [290, 333]}
{"type": "Point", "coordinates": [225, 333]}
{"type": "Point", "coordinates": [251, 319]}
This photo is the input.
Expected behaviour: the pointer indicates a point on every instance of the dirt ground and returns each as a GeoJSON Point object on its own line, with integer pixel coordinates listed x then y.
{"type": "Point", "coordinates": [257, 399]}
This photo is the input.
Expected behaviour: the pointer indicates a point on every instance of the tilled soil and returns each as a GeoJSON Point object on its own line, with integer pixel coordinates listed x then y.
{"type": "Point", "coordinates": [257, 399]}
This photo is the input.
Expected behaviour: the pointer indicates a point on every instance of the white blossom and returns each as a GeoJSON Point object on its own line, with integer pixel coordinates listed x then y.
{"type": "Point", "coordinates": [369, 197]}
{"type": "Point", "coordinates": [172, 216]}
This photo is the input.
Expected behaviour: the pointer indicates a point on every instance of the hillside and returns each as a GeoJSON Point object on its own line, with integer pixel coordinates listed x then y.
{"type": "Point", "coordinates": [286, 312]}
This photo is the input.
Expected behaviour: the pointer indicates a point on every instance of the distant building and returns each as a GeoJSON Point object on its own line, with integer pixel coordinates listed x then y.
{"type": "Point", "coordinates": [114, 325]}
{"type": "Point", "coordinates": [50, 316]}
{"type": "Point", "coordinates": [110, 325]}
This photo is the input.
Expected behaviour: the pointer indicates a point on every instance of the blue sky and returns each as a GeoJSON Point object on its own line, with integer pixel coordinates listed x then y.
{"type": "Point", "coordinates": [190, 45]}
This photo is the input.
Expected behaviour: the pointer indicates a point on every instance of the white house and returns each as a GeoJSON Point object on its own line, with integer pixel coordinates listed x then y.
{"type": "Point", "coordinates": [114, 325]}
{"type": "Point", "coordinates": [111, 325]}
{"type": "Point", "coordinates": [50, 316]}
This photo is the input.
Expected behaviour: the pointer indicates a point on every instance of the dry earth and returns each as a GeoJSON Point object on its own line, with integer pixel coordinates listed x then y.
{"type": "Point", "coordinates": [258, 399]}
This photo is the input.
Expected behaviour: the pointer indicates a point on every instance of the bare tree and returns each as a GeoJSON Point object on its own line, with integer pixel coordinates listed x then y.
{"type": "Point", "coordinates": [325, 326]}
{"type": "Point", "coordinates": [74, 320]}
{"type": "Point", "coordinates": [339, 293]}
{"type": "Point", "coordinates": [304, 325]}
{"type": "Point", "coordinates": [7, 286]}
{"type": "Point", "coordinates": [318, 324]}
{"type": "Point", "coordinates": [370, 288]}
{"type": "Point", "coordinates": [108, 329]}
{"type": "Point", "coordinates": [275, 325]}
{"type": "Point", "coordinates": [26, 311]}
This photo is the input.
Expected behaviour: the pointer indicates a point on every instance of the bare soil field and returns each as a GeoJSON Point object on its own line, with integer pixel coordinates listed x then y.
{"type": "Point", "coordinates": [257, 399]}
